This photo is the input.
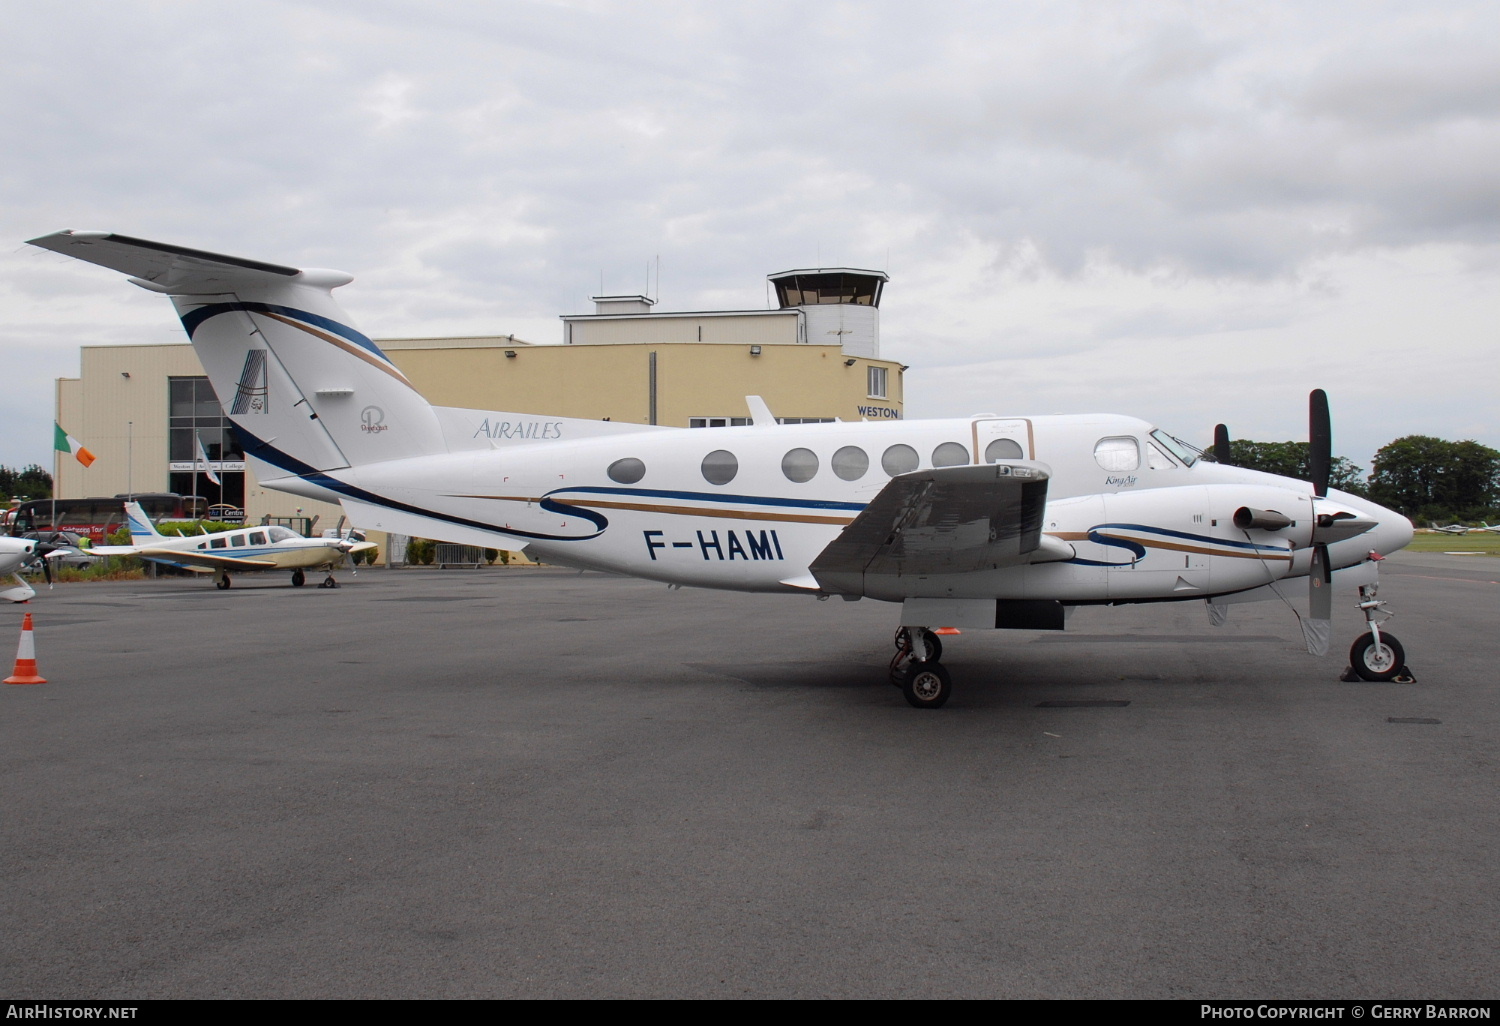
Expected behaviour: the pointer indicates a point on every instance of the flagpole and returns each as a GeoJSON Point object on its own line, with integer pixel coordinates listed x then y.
{"type": "Point", "coordinates": [130, 458]}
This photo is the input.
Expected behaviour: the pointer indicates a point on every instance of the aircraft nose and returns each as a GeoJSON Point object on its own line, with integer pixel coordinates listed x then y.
{"type": "Point", "coordinates": [1393, 532]}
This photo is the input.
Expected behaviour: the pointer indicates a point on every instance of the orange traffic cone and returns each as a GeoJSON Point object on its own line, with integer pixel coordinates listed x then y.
{"type": "Point", "coordinates": [26, 658]}
{"type": "Point", "coordinates": [947, 630]}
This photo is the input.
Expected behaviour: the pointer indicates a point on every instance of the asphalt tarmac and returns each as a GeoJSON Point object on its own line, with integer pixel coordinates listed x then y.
{"type": "Point", "coordinates": [539, 783]}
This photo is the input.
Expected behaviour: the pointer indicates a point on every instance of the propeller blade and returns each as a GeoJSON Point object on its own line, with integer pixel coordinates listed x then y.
{"type": "Point", "coordinates": [1317, 627]}
{"type": "Point", "coordinates": [1320, 439]}
{"type": "Point", "coordinates": [1221, 444]}
{"type": "Point", "coordinates": [47, 570]}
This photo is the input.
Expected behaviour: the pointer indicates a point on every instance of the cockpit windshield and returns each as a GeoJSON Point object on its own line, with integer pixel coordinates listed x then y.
{"type": "Point", "coordinates": [1176, 446]}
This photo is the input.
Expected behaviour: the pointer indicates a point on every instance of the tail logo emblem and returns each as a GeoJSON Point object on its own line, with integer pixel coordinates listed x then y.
{"type": "Point", "coordinates": [372, 420]}
{"type": "Point", "coordinates": [252, 395]}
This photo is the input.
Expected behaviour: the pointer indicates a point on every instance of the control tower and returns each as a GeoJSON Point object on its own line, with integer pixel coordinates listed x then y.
{"type": "Point", "coordinates": [840, 305]}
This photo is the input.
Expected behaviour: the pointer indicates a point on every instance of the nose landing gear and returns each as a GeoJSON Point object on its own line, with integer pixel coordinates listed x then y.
{"type": "Point", "coordinates": [1377, 656]}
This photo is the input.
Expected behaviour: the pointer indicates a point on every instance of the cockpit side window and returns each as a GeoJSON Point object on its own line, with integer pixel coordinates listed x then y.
{"type": "Point", "coordinates": [1176, 446]}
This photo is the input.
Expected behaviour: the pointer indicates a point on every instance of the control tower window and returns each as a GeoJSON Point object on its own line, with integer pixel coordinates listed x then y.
{"type": "Point", "coordinates": [820, 288]}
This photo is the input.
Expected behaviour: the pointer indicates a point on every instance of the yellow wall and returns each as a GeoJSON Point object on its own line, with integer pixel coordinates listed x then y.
{"type": "Point", "coordinates": [613, 381]}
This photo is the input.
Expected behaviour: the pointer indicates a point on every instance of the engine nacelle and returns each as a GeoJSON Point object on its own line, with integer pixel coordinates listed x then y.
{"type": "Point", "coordinates": [1246, 518]}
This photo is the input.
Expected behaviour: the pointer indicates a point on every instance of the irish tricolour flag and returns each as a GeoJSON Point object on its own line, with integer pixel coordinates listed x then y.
{"type": "Point", "coordinates": [65, 442]}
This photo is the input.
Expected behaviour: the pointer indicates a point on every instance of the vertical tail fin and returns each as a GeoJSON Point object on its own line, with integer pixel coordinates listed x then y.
{"type": "Point", "coordinates": [142, 530]}
{"type": "Point", "coordinates": [305, 390]}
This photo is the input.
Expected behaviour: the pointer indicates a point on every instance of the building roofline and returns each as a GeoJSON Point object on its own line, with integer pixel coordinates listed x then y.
{"type": "Point", "coordinates": [676, 313]}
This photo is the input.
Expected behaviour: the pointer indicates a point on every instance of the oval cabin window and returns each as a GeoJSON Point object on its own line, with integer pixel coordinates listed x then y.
{"type": "Point", "coordinates": [800, 465]}
{"type": "Point", "coordinates": [950, 454]}
{"type": "Point", "coordinates": [850, 463]}
{"type": "Point", "coordinates": [1003, 449]}
{"type": "Point", "coordinates": [720, 466]}
{"type": "Point", "coordinates": [899, 459]}
{"type": "Point", "coordinates": [627, 471]}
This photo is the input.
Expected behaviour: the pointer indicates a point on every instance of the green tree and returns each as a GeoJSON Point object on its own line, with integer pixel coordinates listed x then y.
{"type": "Point", "coordinates": [1432, 478]}
{"type": "Point", "coordinates": [1292, 459]}
{"type": "Point", "coordinates": [31, 483]}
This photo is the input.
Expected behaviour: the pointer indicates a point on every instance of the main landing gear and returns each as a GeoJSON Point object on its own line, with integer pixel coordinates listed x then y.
{"type": "Point", "coordinates": [299, 579]}
{"type": "Point", "coordinates": [221, 580]}
{"type": "Point", "coordinates": [923, 680]}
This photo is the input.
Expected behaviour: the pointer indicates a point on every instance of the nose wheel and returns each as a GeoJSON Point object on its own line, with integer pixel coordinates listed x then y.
{"type": "Point", "coordinates": [1377, 660]}
{"type": "Point", "coordinates": [1377, 655]}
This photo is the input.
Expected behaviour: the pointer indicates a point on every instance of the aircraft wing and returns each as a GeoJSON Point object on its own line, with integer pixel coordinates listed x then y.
{"type": "Point", "coordinates": [197, 557]}
{"type": "Point", "coordinates": [949, 520]}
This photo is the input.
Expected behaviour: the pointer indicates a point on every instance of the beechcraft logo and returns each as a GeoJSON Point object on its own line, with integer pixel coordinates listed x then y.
{"type": "Point", "coordinates": [252, 395]}
{"type": "Point", "coordinates": [372, 420]}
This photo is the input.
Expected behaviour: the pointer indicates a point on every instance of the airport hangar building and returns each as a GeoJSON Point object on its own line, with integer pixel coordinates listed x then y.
{"type": "Point", "coordinates": [815, 357]}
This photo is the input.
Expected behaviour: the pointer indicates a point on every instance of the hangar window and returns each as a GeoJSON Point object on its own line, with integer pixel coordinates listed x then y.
{"type": "Point", "coordinates": [899, 459]}
{"type": "Point", "coordinates": [850, 463]}
{"type": "Point", "coordinates": [720, 466]}
{"type": "Point", "coordinates": [1118, 452]}
{"type": "Point", "coordinates": [950, 454]}
{"type": "Point", "coordinates": [799, 465]}
{"type": "Point", "coordinates": [1003, 449]}
{"type": "Point", "coordinates": [626, 471]}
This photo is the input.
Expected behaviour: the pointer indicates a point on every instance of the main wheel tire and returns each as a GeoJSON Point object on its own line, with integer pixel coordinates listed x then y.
{"type": "Point", "coordinates": [927, 685]}
{"type": "Point", "coordinates": [298, 578]}
{"type": "Point", "coordinates": [1377, 662]}
{"type": "Point", "coordinates": [222, 583]}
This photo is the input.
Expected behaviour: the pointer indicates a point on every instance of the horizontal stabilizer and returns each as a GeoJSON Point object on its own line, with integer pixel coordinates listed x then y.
{"type": "Point", "coordinates": [174, 270]}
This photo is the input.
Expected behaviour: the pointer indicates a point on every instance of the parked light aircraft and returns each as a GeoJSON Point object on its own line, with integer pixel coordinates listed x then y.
{"type": "Point", "coordinates": [1452, 528]}
{"type": "Point", "coordinates": [14, 554]}
{"type": "Point", "coordinates": [990, 521]}
{"type": "Point", "coordinates": [19, 552]}
{"type": "Point", "coordinates": [1492, 528]}
{"type": "Point", "coordinates": [246, 549]}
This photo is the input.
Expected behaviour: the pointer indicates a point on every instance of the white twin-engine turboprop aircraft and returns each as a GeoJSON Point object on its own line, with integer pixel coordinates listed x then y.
{"type": "Point", "coordinates": [980, 522]}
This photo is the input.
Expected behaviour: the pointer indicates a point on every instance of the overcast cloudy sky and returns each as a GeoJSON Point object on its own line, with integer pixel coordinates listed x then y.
{"type": "Point", "coordinates": [1190, 212]}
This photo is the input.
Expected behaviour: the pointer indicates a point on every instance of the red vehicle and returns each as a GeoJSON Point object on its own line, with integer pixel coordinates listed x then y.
{"type": "Point", "coordinates": [98, 517]}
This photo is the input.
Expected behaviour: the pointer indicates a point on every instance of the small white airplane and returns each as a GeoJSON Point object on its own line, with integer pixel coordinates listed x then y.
{"type": "Point", "coordinates": [1453, 528]}
{"type": "Point", "coordinates": [988, 521]}
{"type": "Point", "coordinates": [14, 554]}
{"type": "Point", "coordinates": [1492, 528]}
{"type": "Point", "coordinates": [19, 552]}
{"type": "Point", "coordinates": [246, 549]}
